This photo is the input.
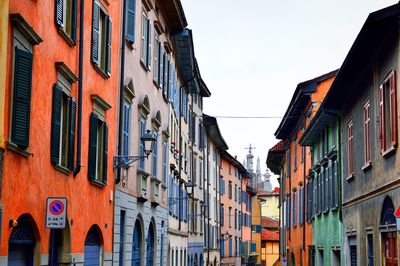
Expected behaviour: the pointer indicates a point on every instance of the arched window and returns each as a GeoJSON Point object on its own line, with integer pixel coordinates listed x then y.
{"type": "Point", "coordinates": [136, 244]}
{"type": "Point", "coordinates": [150, 250]}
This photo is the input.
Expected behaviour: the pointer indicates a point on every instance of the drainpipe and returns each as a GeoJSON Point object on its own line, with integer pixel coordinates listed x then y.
{"type": "Point", "coordinates": [121, 92]}
{"type": "Point", "coordinates": [180, 157]}
{"type": "Point", "coordinates": [80, 85]}
{"type": "Point", "coordinates": [208, 212]}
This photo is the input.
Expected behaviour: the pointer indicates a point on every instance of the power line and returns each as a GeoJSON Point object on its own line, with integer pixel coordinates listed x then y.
{"type": "Point", "coordinates": [248, 117]}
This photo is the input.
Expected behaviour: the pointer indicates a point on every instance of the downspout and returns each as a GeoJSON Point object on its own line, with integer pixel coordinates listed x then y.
{"type": "Point", "coordinates": [80, 88]}
{"type": "Point", "coordinates": [121, 92]}
{"type": "Point", "coordinates": [180, 157]}
{"type": "Point", "coordinates": [241, 220]}
{"type": "Point", "coordinates": [217, 194]}
{"type": "Point", "coordinates": [208, 211]}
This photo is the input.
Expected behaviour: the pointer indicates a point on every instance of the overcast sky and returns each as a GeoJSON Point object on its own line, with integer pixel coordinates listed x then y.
{"type": "Point", "coordinates": [253, 53]}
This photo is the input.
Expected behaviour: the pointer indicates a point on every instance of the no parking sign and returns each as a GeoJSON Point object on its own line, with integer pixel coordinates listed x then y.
{"type": "Point", "coordinates": [56, 212]}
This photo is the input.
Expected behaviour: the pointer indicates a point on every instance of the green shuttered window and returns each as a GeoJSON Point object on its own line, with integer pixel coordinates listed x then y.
{"type": "Point", "coordinates": [130, 20]}
{"type": "Point", "coordinates": [21, 104]}
{"type": "Point", "coordinates": [98, 150]}
{"type": "Point", "coordinates": [63, 129]}
{"type": "Point", "coordinates": [101, 40]}
{"type": "Point", "coordinates": [65, 17]}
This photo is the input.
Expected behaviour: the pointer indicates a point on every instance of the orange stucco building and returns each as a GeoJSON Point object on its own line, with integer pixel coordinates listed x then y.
{"type": "Point", "coordinates": [303, 106]}
{"type": "Point", "coordinates": [60, 116]}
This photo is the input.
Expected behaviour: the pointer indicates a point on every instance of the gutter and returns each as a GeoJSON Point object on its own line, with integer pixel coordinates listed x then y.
{"type": "Point", "coordinates": [77, 168]}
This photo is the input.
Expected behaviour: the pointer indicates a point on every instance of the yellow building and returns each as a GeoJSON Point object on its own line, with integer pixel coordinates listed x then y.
{"type": "Point", "coordinates": [255, 251]}
{"type": "Point", "coordinates": [269, 204]}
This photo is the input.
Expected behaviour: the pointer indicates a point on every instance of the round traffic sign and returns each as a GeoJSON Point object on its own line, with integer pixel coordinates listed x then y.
{"type": "Point", "coordinates": [56, 207]}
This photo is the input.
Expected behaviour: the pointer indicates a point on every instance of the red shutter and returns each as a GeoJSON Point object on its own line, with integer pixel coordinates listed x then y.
{"type": "Point", "coordinates": [381, 119]}
{"type": "Point", "coordinates": [393, 108]}
{"type": "Point", "coordinates": [350, 148]}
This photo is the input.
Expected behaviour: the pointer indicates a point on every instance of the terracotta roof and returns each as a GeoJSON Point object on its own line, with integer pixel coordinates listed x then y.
{"type": "Point", "coordinates": [276, 190]}
{"type": "Point", "coordinates": [269, 223]}
{"type": "Point", "coordinates": [268, 235]}
{"type": "Point", "coordinates": [278, 147]}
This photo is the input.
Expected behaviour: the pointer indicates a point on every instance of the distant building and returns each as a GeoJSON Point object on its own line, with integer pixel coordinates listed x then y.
{"type": "Point", "coordinates": [261, 182]}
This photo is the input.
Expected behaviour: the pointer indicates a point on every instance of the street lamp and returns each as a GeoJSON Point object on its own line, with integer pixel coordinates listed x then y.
{"type": "Point", "coordinates": [147, 140]}
{"type": "Point", "coordinates": [189, 187]}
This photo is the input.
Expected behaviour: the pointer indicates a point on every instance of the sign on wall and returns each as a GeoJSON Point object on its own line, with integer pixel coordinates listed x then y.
{"type": "Point", "coordinates": [56, 213]}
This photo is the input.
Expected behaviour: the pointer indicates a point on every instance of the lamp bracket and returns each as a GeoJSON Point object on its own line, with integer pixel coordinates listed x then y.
{"type": "Point", "coordinates": [124, 161]}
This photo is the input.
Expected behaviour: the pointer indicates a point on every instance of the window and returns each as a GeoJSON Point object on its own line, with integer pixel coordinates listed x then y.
{"type": "Point", "coordinates": [146, 41]}
{"type": "Point", "coordinates": [301, 203]}
{"type": "Point", "coordinates": [335, 185]}
{"type": "Point", "coordinates": [165, 163]}
{"type": "Point", "coordinates": [98, 149]}
{"type": "Point", "coordinates": [236, 223]}
{"type": "Point", "coordinates": [310, 195]}
{"type": "Point", "coordinates": [158, 51]}
{"type": "Point", "coordinates": [122, 236]}
{"type": "Point", "coordinates": [222, 186]}
{"type": "Point", "coordinates": [294, 209]}
{"type": "Point", "coordinates": [230, 190]}
{"type": "Point", "coordinates": [127, 120]}
{"type": "Point", "coordinates": [142, 131]}
{"type": "Point", "coordinates": [230, 246]}
{"type": "Point", "coordinates": [101, 39]}
{"type": "Point", "coordinates": [230, 216]}
{"type": "Point", "coordinates": [295, 156]}
{"type": "Point", "coordinates": [155, 157]}
{"type": "Point", "coordinates": [194, 170]}
{"type": "Point", "coordinates": [63, 125]}
{"type": "Point", "coordinates": [350, 169]}
{"type": "Point", "coordinates": [388, 114]}
{"type": "Point", "coordinates": [367, 133]}
{"type": "Point", "coordinates": [65, 18]}
{"type": "Point", "coordinates": [130, 20]}
{"type": "Point", "coordinates": [22, 84]}
{"type": "Point", "coordinates": [353, 250]}
{"type": "Point", "coordinates": [222, 215]}
{"type": "Point", "coordinates": [222, 246]}
{"type": "Point", "coordinates": [236, 192]}
{"type": "Point", "coordinates": [370, 249]}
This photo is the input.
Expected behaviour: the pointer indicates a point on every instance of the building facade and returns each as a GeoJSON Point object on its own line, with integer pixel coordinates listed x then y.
{"type": "Point", "coordinates": [305, 102]}
{"type": "Point", "coordinates": [324, 187]}
{"type": "Point", "coordinates": [149, 76]}
{"type": "Point", "coordinates": [369, 134]}
{"type": "Point", "coordinates": [269, 241]}
{"type": "Point", "coordinates": [59, 119]}
{"type": "Point", "coordinates": [231, 172]}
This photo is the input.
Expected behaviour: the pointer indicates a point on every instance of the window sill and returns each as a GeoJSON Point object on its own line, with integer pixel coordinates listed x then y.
{"type": "Point", "coordinates": [387, 153]}
{"type": "Point", "coordinates": [101, 71]}
{"type": "Point", "coordinates": [334, 208]}
{"type": "Point", "coordinates": [66, 37]}
{"type": "Point", "coordinates": [367, 166]}
{"type": "Point", "coordinates": [144, 66]}
{"type": "Point", "coordinates": [164, 187]}
{"type": "Point", "coordinates": [97, 183]}
{"type": "Point", "coordinates": [62, 169]}
{"type": "Point", "coordinates": [350, 178]}
{"type": "Point", "coordinates": [22, 151]}
{"type": "Point", "coordinates": [156, 84]}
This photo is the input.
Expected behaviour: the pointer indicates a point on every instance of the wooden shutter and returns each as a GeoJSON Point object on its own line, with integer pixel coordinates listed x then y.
{"type": "Point", "coordinates": [108, 46]}
{"type": "Point", "coordinates": [161, 68]}
{"type": "Point", "coordinates": [393, 109]}
{"type": "Point", "coordinates": [71, 135]}
{"type": "Point", "coordinates": [21, 97]}
{"type": "Point", "coordinates": [56, 125]}
{"type": "Point", "coordinates": [94, 120]}
{"type": "Point", "coordinates": [130, 20]}
{"type": "Point", "coordinates": [59, 13]}
{"type": "Point", "coordinates": [73, 19]}
{"type": "Point", "coordinates": [381, 119]}
{"type": "Point", "coordinates": [149, 26]}
{"type": "Point", "coordinates": [156, 57]}
{"type": "Point", "coordinates": [95, 33]}
{"type": "Point", "coordinates": [105, 153]}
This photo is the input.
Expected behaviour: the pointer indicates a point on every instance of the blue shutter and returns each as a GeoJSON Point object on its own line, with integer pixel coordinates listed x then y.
{"type": "Point", "coordinates": [155, 157]}
{"type": "Point", "coordinates": [141, 147]}
{"type": "Point", "coordinates": [170, 194]}
{"type": "Point", "coordinates": [127, 118]}
{"type": "Point", "coordinates": [164, 159]}
{"type": "Point", "coordinates": [131, 20]}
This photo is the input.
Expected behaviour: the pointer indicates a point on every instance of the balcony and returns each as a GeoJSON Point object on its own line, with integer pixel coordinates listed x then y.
{"type": "Point", "coordinates": [141, 185]}
{"type": "Point", "coordinates": [155, 191]}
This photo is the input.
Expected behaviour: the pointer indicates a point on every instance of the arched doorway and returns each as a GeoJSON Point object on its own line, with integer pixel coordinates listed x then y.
{"type": "Point", "coordinates": [195, 260]}
{"type": "Point", "coordinates": [136, 244]}
{"type": "Point", "coordinates": [21, 244]}
{"type": "Point", "coordinates": [292, 260]}
{"type": "Point", "coordinates": [92, 247]}
{"type": "Point", "coordinates": [201, 259]}
{"type": "Point", "coordinates": [59, 246]}
{"type": "Point", "coordinates": [389, 238]}
{"type": "Point", "coordinates": [150, 246]}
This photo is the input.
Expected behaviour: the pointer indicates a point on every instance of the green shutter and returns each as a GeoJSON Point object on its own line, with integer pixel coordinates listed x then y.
{"type": "Point", "coordinates": [108, 46]}
{"type": "Point", "coordinates": [71, 134]}
{"type": "Point", "coordinates": [94, 120]}
{"type": "Point", "coordinates": [105, 153]}
{"type": "Point", "coordinates": [59, 13]}
{"type": "Point", "coordinates": [73, 19]}
{"type": "Point", "coordinates": [95, 33]}
{"type": "Point", "coordinates": [130, 20]}
{"type": "Point", "coordinates": [21, 98]}
{"type": "Point", "coordinates": [56, 125]}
